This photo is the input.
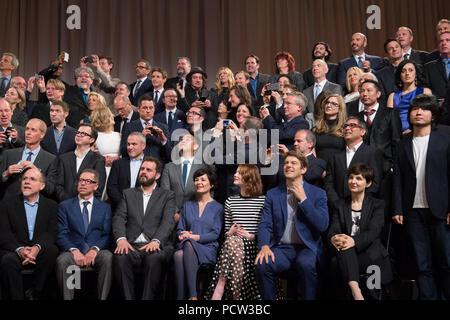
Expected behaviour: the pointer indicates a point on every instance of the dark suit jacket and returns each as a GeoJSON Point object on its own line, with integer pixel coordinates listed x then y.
{"type": "Point", "coordinates": [118, 120]}
{"type": "Point", "coordinates": [311, 218]}
{"type": "Point", "coordinates": [286, 130]}
{"type": "Point", "coordinates": [14, 228]}
{"type": "Point", "coordinates": [352, 108]}
{"type": "Point", "coordinates": [316, 167]}
{"type": "Point", "coordinates": [386, 79]}
{"type": "Point", "coordinates": [370, 227]}
{"type": "Point", "coordinates": [437, 175]}
{"type": "Point", "coordinates": [45, 161]}
{"type": "Point", "coordinates": [67, 143]}
{"type": "Point", "coordinates": [78, 107]}
{"type": "Point", "coordinates": [68, 175]}
{"type": "Point", "coordinates": [119, 179]}
{"type": "Point", "coordinates": [156, 222]}
{"type": "Point", "coordinates": [384, 134]}
{"type": "Point", "coordinates": [418, 56]}
{"type": "Point", "coordinates": [153, 146]}
{"type": "Point", "coordinates": [159, 105]}
{"type": "Point", "coordinates": [309, 93]}
{"type": "Point", "coordinates": [375, 64]}
{"type": "Point", "coordinates": [211, 113]}
{"type": "Point", "coordinates": [19, 142]}
{"type": "Point", "coordinates": [262, 80]}
{"type": "Point", "coordinates": [71, 228]}
{"type": "Point", "coordinates": [179, 120]}
{"type": "Point", "coordinates": [146, 87]}
{"type": "Point", "coordinates": [336, 180]}
{"type": "Point", "coordinates": [296, 78]}
{"type": "Point", "coordinates": [436, 78]}
{"type": "Point", "coordinates": [42, 111]}
{"type": "Point", "coordinates": [433, 55]}
{"type": "Point", "coordinates": [331, 74]}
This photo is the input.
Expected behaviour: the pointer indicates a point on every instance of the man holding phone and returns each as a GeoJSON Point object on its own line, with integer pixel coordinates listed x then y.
{"type": "Point", "coordinates": [11, 136]}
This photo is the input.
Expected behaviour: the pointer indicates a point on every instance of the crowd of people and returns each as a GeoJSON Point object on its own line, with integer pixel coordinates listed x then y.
{"type": "Point", "coordinates": [164, 176]}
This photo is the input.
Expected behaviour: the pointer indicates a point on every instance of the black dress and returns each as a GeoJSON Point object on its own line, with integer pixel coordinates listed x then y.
{"type": "Point", "coordinates": [328, 144]}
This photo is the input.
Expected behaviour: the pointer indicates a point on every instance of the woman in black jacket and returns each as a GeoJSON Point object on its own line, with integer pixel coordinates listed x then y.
{"type": "Point", "coordinates": [355, 231]}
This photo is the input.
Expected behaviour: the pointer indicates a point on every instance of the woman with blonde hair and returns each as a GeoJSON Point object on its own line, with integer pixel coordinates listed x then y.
{"type": "Point", "coordinates": [234, 274]}
{"type": "Point", "coordinates": [329, 132]}
{"type": "Point", "coordinates": [224, 82]}
{"type": "Point", "coordinates": [17, 100]}
{"type": "Point", "coordinates": [352, 84]}
{"type": "Point", "coordinates": [108, 141]}
{"type": "Point", "coordinates": [94, 101]}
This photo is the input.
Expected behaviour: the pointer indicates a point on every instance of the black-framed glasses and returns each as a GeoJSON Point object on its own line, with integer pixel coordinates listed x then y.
{"type": "Point", "coordinates": [83, 134]}
{"type": "Point", "coordinates": [351, 125]}
{"type": "Point", "coordinates": [87, 181]}
{"type": "Point", "coordinates": [194, 113]}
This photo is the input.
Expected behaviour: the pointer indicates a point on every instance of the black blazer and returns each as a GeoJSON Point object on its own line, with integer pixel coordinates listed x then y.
{"type": "Point", "coordinates": [370, 228]}
{"type": "Point", "coordinates": [418, 56]}
{"type": "Point", "coordinates": [386, 79]}
{"type": "Point", "coordinates": [316, 168]}
{"type": "Point", "coordinates": [384, 134]}
{"type": "Point", "coordinates": [352, 108]}
{"type": "Point", "coordinates": [437, 175]}
{"type": "Point", "coordinates": [211, 112]}
{"type": "Point", "coordinates": [436, 78]}
{"type": "Point", "coordinates": [42, 111]}
{"type": "Point", "coordinates": [78, 107]}
{"type": "Point", "coordinates": [146, 87]}
{"type": "Point", "coordinates": [118, 120]}
{"type": "Point", "coordinates": [14, 228]}
{"type": "Point", "coordinates": [336, 180]}
{"type": "Point", "coordinates": [287, 129]}
{"type": "Point", "coordinates": [119, 179]}
{"type": "Point", "coordinates": [67, 143]}
{"type": "Point", "coordinates": [16, 144]}
{"type": "Point", "coordinates": [68, 175]}
{"type": "Point", "coordinates": [331, 74]}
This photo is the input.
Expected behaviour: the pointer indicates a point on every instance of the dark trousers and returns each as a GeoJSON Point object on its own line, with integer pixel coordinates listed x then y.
{"type": "Point", "coordinates": [350, 264]}
{"type": "Point", "coordinates": [11, 267]}
{"type": "Point", "coordinates": [430, 239]}
{"type": "Point", "coordinates": [152, 265]}
{"type": "Point", "coordinates": [300, 258]}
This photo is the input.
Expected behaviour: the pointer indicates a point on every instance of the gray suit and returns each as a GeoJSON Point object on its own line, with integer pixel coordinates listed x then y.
{"type": "Point", "coordinates": [309, 93]}
{"type": "Point", "coordinates": [172, 179]}
{"type": "Point", "coordinates": [45, 161]}
{"type": "Point", "coordinates": [129, 220]}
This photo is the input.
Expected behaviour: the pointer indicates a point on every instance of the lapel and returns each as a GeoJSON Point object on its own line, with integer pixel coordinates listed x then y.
{"type": "Point", "coordinates": [179, 174]}
{"type": "Point", "coordinates": [379, 116]}
{"type": "Point", "coordinates": [77, 215]}
{"type": "Point", "coordinates": [283, 204]}
{"type": "Point", "coordinates": [348, 217]}
{"type": "Point", "coordinates": [39, 159]}
{"type": "Point", "coordinates": [85, 161]}
{"type": "Point", "coordinates": [365, 218]}
{"type": "Point", "coordinates": [440, 66]}
{"type": "Point", "coordinates": [94, 214]}
{"type": "Point", "coordinates": [152, 201]}
{"type": "Point", "coordinates": [73, 164]}
{"type": "Point", "coordinates": [51, 139]}
{"type": "Point", "coordinates": [357, 155]}
{"type": "Point", "coordinates": [409, 151]}
{"type": "Point", "coordinates": [22, 217]}
{"type": "Point", "coordinates": [138, 200]}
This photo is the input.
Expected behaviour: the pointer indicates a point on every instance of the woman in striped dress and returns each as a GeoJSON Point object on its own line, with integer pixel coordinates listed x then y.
{"type": "Point", "coordinates": [234, 274]}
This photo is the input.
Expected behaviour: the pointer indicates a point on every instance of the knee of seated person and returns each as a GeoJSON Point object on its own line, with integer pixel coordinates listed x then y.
{"type": "Point", "coordinates": [264, 267]}
{"type": "Point", "coordinates": [9, 259]}
{"type": "Point", "coordinates": [309, 266]}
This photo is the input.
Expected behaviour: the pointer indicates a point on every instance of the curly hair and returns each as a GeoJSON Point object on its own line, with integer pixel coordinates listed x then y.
{"type": "Point", "coordinates": [101, 118]}
{"type": "Point", "coordinates": [285, 55]}
{"type": "Point", "coordinates": [230, 75]}
{"type": "Point", "coordinates": [252, 179]}
{"type": "Point", "coordinates": [322, 126]}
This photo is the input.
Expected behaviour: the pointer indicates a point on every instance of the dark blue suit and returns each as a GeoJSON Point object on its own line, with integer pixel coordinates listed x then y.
{"type": "Point", "coordinates": [179, 120]}
{"type": "Point", "coordinates": [375, 64]}
{"type": "Point", "coordinates": [153, 146]}
{"type": "Point", "coordinates": [71, 228]}
{"type": "Point", "coordinates": [286, 130]}
{"type": "Point", "coordinates": [145, 88]}
{"type": "Point", "coordinates": [67, 143]}
{"type": "Point", "coordinates": [311, 220]}
{"type": "Point", "coordinates": [429, 234]}
{"type": "Point", "coordinates": [119, 179]}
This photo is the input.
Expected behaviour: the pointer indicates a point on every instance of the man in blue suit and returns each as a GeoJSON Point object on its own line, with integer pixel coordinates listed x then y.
{"type": "Point", "coordinates": [421, 197]}
{"type": "Point", "coordinates": [171, 116]}
{"type": "Point", "coordinates": [359, 59]}
{"type": "Point", "coordinates": [142, 85]}
{"type": "Point", "coordinates": [295, 214]}
{"type": "Point", "coordinates": [84, 227]}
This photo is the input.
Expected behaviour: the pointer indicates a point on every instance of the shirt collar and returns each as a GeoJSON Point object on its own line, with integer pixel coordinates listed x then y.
{"type": "Point", "coordinates": [355, 148]}
{"type": "Point", "coordinates": [321, 83]}
{"type": "Point", "coordinates": [148, 194]}
{"type": "Point", "coordinates": [32, 205]}
{"type": "Point", "coordinates": [363, 56]}
{"type": "Point", "coordinates": [149, 122]}
{"type": "Point", "coordinates": [34, 152]}
{"type": "Point", "coordinates": [139, 159]}
{"type": "Point", "coordinates": [374, 108]}
{"type": "Point", "coordinates": [84, 153]}
{"type": "Point", "coordinates": [90, 200]}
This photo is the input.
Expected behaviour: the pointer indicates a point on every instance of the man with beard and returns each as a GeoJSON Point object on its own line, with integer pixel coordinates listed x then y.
{"type": "Point", "coordinates": [142, 228]}
{"type": "Point", "coordinates": [183, 69]}
{"type": "Point", "coordinates": [321, 50]}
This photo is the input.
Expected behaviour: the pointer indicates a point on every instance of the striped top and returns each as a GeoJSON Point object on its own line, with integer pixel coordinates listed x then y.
{"type": "Point", "coordinates": [244, 211]}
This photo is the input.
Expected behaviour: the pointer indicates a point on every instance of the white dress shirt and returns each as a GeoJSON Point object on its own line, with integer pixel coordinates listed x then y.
{"type": "Point", "coordinates": [350, 153]}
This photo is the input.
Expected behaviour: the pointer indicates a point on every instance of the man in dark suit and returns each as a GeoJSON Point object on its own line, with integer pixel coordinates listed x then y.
{"type": "Point", "coordinates": [293, 109]}
{"type": "Point", "coordinates": [59, 137]}
{"type": "Point", "coordinates": [319, 71]}
{"type": "Point", "coordinates": [358, 59]}
{"type": "Point", "coordinates": [336, 180]}
{"type": "Point", "coordinates": [8, 63]}
{"type": "Point", "coordinates": [142, 227]}
{"type": "Point", "coordinates": [124, 172]}
{"type": "Point", "coordinates": [442, 26]}
{"type": "Point", "coordinates": [143, 84]}
{"type": "Point", "coordinates": [171, 116]}
{"type": "Point", "coordinates": [257, 80]}
{"type": "Point", "coordinates": [11, 135]}
{"type": "Point", "coordinates": [125, 112]}
{"type": "Point", "coordinates": [159, 77]}
{"type": "Point", "coordinates": [386, 75]}
{"type": "Point", "coordinates": [84, 228]}
{"type": "Point", "coordinates": [405, 37]}
{"type": "Point", "coordinates": [76, 96]}
{"type": "Point", "coordinates": [28, 227]}
{"type": "Point", "coordinates": [156, 134]}
{"type": "Point", "coordinates": [183, 69]}
{"type": "Point", "coordinates": [53, 91]}
{"type": "Point", "coordinates": [289, 235]}
{"type": "Point", "coordinates": [321, 50]}
{"type": "Point", "coordinates": [71, 164]}
{"type": "Point", "coordinates": [15, 161]}
{"type": "Point", "coordinates": [437, 71]}
{"type": "Point", "coordinates": [421, 197]}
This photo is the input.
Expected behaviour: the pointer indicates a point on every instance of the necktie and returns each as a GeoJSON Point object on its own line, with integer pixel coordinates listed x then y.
{"type": "Point", "coordinates": [3, 87]}
{"type": "Point", "coordinates": [29, 156]}
{"type": "Point", "coordinates": [360, 62]}
{"type": "Point", "coordinates": [185, 168]}
{"type": "Point", "coordinates": [447, 66]}
{"type": "Point", "coordinates": [406, 56]}
{"type": "Point", "coordinates": [170, 120]}
{"type": "Point", "coordinates": [136, 87]}
{"type": "Point", "coordinates": [317, 92]}
{"type": "Point", "coordinates": [368, 113]}
{"type": "Point", "coordinates": [292, 200]}
{"type": "Point", "coordinates": [85, 215]}
{"type": "Point", "coordinates": [156, 97]}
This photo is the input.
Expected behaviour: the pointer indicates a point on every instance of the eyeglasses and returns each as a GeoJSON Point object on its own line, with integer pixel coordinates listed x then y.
{"type": "Point", "coordinates": [334, 104]}
{"type": "Point", "coordinates": [351, 125]}
{"type": "Point", "coordinates": [171, 96]}
{"type": "Point", "coordinates": [83, 134]}
{"type": "Point", "coordinates": [194, 113]}
{"type": "Point", "coordinates": [87, 181]}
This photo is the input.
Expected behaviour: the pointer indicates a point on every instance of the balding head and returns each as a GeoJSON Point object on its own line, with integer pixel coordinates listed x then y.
{"type": "Point", "coordinates": [122, 105]}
